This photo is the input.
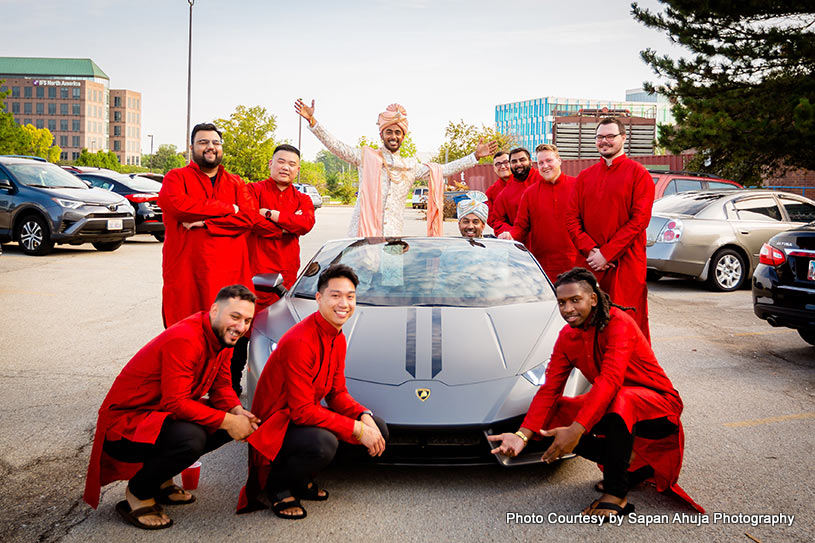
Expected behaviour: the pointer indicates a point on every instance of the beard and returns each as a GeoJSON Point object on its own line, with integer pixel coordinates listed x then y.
{"type": "Point", "coordinates": [220, 333]}
{"type": "Point", "coordinates": [521, 173]}
{"type": "Point", "coordinates": [204, 162]}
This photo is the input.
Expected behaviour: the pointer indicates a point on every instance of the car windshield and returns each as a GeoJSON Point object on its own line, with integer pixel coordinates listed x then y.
{"type": "Point", "coordinates": [45, 175]}
{"type": "Point", "coordinates": [688, 203]}
{"type": "Point", "coordinates": [140, 184]}
{"type": "Point", "coordinates": [439, 272]}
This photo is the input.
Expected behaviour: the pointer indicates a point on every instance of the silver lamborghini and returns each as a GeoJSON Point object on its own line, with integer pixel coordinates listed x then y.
{"type": "Point", "coordinates": [449, 341]}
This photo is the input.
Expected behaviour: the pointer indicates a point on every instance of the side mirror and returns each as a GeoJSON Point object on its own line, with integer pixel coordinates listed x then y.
{"type": "Point", "coordinates": [5, 184]}
{"type": "Point", "coordinates": [269, 282]}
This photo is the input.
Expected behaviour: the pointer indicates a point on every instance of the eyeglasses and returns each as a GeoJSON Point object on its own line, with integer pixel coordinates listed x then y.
{"type": "Point", "coordinates": [501, 164]}
{"type": "Point", "coordinates": [609, 137]}
{"type": "Point", "coordinates": [216, 143]}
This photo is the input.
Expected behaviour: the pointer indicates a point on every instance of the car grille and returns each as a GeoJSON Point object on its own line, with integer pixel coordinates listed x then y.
{"type": "Point", "coordinates": [66, 224]}
{"type": "Point", "coordinates": [108, 215]}
{"type": "Point", "coordinates": [153, 206]}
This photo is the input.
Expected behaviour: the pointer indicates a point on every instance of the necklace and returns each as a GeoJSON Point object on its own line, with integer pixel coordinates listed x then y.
{"type": "Point", "coordinates": [396, 173]}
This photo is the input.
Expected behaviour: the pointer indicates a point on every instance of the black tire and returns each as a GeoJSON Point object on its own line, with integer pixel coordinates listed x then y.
{"type": "Point", "coordinates": [108, 245]}
{"type": "Point", "coordinates": [807, 334]}
{"type": "Point", "coordinates": [653, 275]}
{"type": "Point", "coordinates": [34, 236]}
{"type": "Point", "coordinates": [727, 271]}
{"type": "Point", "coordinates": [159, 236]}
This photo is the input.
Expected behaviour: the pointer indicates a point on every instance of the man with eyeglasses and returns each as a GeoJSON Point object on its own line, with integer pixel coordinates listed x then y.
{"type": "Point", "coordinates": [607, 217]}
{"type": "Point", "coordinates": [207, 217]}
{"type": "Point", "coordinates": [503, 212]}
{"type": "Point", "coordinates": [500, 163]}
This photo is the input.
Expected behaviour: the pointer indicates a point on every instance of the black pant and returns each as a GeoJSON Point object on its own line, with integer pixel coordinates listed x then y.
{"type": "Point", "coordinates": [305, 451]}
{"type": "Point", "coordinates": [609, 443]}
{"type": "Point", "coordinates": [179, 445]}
{"type": "Point", "coordinates": [238, 362]}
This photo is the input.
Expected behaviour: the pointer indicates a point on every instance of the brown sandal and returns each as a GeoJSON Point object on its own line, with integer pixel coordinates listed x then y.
{"type": "Point", "coordinates": [133, 516]}
{"type": "Point", "coordinates": [164, 494]}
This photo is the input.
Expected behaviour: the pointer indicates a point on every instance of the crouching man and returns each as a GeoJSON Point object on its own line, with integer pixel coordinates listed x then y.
{"type": "Point", "coordinates": [299, 437]}
{"type": "Point", "coordinates": [172, 403]}
{"type": "Point", "coordinates": [628, 422]}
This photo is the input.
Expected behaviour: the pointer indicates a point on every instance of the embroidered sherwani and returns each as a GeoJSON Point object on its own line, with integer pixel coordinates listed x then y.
{"type": "Point", "coordinates": [397, 177]}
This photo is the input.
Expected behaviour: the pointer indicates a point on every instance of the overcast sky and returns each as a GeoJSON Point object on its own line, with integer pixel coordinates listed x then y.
{"type": "Point", "coordinates": [442, 59]}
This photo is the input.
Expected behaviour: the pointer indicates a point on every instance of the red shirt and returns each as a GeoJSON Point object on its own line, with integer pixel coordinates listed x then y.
{"type": "Point", "coordinates": [626, 379]}
{"type": "Point", "coordinates": [502, 214]}
{"type": "Point", "coordinates": [611, 209]}
{"type": "Point", "coordinates": [307, 366]}
{"type": "Point", "coordinates": [494, 190]}
{"type": "Point", "coordinates": [197, 263]}
{"type": "Point", "coordinates": [183, 373]}
{"type": "Point", "coordinates": [541, 221]}
{"type": "Point", "coordinates": [270, 249]}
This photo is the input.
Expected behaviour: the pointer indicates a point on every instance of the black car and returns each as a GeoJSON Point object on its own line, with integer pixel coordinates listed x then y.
{"type": "Point", "coordinates": [142, 193]}
{"type": "Point", "coordinates": [784, 281]}
{"type": "Point", "coordinates": [41, 205]}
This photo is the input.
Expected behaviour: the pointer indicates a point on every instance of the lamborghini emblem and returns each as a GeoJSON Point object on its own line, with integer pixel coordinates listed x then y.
{"type": "Point", "coordinates": [423, 393]}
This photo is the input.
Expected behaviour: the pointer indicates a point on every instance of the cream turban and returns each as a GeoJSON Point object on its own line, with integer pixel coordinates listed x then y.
{"type": "Point", "coordinates": [475, 203]}
{"type": "Point", "coordinates": [394, 114]}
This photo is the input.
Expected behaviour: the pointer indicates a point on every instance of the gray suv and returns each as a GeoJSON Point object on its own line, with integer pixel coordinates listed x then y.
{"type": "Point", "coordinates": [41, 205]}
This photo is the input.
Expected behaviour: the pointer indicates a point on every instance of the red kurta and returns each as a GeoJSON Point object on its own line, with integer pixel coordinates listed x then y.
{"type": "Point", "coordinates": [627, 380]}
{"type": "Point", "coordinates": [168, 377]}
{"type": "Point", "coordinates": [307, 366]}
{"type": "Point", "coordinates": [502, 214]}
{"type": "Point", "coordinates": [541, 221]}
{"type": "Point", "coordinates": [197, 263]}
{"type": "Point", "coordinates": [270, 249]}
{"type": "Point", "coordinates": [611, 209]}
{"type": "Point", "coordinates": [494, 190]}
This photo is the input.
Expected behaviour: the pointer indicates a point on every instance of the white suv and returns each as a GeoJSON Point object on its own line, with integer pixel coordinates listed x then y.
{"type": "Point", "coordinates": [419, 199]}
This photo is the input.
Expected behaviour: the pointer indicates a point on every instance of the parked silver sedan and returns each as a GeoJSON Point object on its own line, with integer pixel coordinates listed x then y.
{"type": "Point", "coordinates": [716, 236]}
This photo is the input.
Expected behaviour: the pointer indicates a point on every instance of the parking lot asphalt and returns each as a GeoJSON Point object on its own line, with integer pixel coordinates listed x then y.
{"type": "Point", "coordinates": [71, 320]}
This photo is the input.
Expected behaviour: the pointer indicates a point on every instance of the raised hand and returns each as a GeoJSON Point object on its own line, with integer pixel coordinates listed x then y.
{"type": "Point", "coordinates": [305, 111]}
{"type": "Point", "coordinates": [485, 149]}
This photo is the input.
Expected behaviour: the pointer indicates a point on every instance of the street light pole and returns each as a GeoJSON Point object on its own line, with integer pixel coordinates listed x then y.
{"type": "Point", "coordinates": [299, 141]}
{"type": "Point", "coordinates": [151, 151]}
{"type": "Point", "coordinates": [189, 81]}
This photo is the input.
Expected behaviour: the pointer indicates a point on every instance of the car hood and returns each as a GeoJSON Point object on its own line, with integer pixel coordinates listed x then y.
{"type": "Point", "coordinates": [91, 195]}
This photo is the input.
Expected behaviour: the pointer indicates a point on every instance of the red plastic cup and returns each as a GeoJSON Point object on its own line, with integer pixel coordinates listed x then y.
{"type": "Point", "coordinates": [190, 476]}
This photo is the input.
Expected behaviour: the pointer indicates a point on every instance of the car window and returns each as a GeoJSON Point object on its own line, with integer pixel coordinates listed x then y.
{"type": "Point", "coordinates": [718, 185]}
{"type": "Point", "coordinates": [140, 184]}
{"type": "Point", "coordinates": [763, 208]}
{"type": "Point", "coordinates": [45, 175]}
{"type": "Point", "coordinates": [655, 178]}
{"type": "Point", "coordinates": [686, 204]}
{"type": "Point", "coordinates": [797, 210]}
{"type": "Point", "coordinates": [670, 188]}
{"type": "Point", "coordinates": [686, 185]}
{"type": "Point", "coordinates": [449, 272]}
{"type": "Point", "coordinates": [98, 182]}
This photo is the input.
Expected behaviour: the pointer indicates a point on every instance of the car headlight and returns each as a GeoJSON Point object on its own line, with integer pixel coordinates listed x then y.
{"type": "Point", "coordinates": [70, 204]}
{"type": "Point", "coordinates": [537, 375]}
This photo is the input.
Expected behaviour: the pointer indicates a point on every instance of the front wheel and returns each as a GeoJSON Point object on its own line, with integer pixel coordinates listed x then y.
{"type": "Point", "coordinates": [807, 334]}
{"type": "Point", "coordinates": [34, 236]}
{"type": "Point", "coordinates": [108, 245]}
{"type": "Point", "coordinates": [728, 271]}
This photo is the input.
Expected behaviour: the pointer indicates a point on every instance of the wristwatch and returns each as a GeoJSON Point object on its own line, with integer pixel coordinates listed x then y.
{"type": "Point", "coordinates": [268, 214]}
{"type": "Point", "coordinates": [366, 412]}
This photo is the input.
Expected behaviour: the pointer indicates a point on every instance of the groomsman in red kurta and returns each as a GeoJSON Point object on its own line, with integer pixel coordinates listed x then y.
{"type": "Point", "coordinates": [607, 218]}
{"type": "Point", "coordinates": [632, 406]}
{"type": "Point", "coordinates": [169, 405]}
{"type": "Point", "coordinates": [299, 436]}
{"type": "Point", "coordinates": [285, 214]}
{"type": "Point", "coordinates": [502, 214]}
{"type": "Point", "coordinates": [540, 220]}
{"type": "Point", "coordinates": [207, 216]}
{"type": "Point", "coordinates": [500, 163]}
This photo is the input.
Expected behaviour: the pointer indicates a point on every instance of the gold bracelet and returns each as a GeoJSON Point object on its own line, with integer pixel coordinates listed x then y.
{"type": "Point", "coordinates": [361, 431]}
{"type": "Point", "coordinates": [522, 436]}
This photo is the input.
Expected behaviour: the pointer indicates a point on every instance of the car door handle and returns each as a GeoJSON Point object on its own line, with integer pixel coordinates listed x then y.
{"type": "Point", "coordinates": [745, 232]}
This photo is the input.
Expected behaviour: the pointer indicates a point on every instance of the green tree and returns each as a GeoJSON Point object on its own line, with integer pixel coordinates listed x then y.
{"type": "Point", "coordinates": [744, 98]}
{"type": "Point", "coordinates": [461, 138]}
{"type": "Point", "coordinates": [332, 163]}
{"type": "Point", "coordinates": [38, 142]}
{"type": "Point", "coordinates": [165, 159]}
{"type": "Point", "coordinates": [343, 186]}
{"type": "Point", "coordinates": [313, 173]}
{"type": "Point", "coordinates": [248, 142]}
{"type": "Point", "coordinates": [99, 159]}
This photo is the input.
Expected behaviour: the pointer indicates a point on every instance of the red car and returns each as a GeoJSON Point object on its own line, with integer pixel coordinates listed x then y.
{"type": "Point", "coordinates": [673, 182]}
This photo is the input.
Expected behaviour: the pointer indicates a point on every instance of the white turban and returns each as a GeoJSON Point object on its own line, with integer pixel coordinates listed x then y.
{"type": "Point", "coordinates": [475, 203]}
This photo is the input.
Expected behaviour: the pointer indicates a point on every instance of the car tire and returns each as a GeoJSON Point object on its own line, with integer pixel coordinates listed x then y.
{"type": "Point", "coordinates": [108, 245]}
{"type": "Point", "coordinates": [34, 236]}
{"type": "Point", "coordinates": [727, 272]}
{"type": "Point", "coordinates": [807, 334]}
{"type": "Point", "coordinates": [653, 275]}
{"type": "Point", "coordinates": [159, 236]}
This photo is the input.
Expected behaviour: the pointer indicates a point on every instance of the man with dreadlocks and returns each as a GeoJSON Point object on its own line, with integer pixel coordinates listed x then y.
{"type": "Point", "coordinates": [628, 422]}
